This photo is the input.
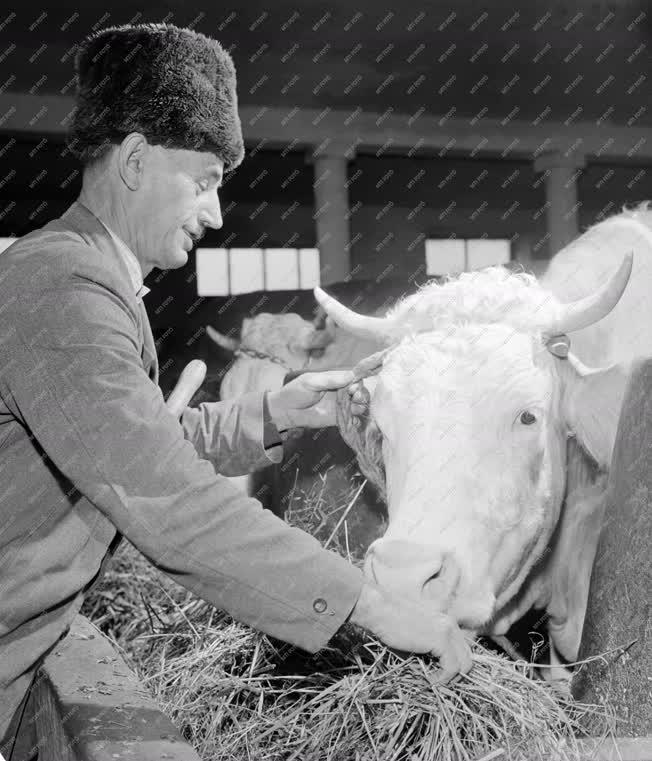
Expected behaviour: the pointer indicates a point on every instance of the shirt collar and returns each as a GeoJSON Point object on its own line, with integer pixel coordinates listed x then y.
{"type": "Point", "coordinates": [133, 265]}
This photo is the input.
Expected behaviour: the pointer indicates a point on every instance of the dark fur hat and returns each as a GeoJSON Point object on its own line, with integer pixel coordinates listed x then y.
{"type": "Point", "coordinates": [176, 86]}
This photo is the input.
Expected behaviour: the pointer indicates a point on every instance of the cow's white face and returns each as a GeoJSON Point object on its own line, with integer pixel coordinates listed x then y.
{"type": "Point", "coordinates": [474, 454]}
{"type": "Point", "coordinates": [469, 414]}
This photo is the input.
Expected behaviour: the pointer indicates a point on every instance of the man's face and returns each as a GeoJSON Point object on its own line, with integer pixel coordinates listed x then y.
{"type": "Point", "coordinates": [177, 201]}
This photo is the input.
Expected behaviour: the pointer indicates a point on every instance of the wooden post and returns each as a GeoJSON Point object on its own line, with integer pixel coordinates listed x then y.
{"type": "Point", "coordinates": [619, 611]}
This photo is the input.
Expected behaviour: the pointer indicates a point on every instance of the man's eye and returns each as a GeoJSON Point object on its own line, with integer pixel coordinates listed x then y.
{"type": "Point", "coordinates": [203, 184]}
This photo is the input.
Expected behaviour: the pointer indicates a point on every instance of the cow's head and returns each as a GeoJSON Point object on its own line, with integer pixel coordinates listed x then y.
{"type": "Point", "coordinates": [471, 405]}
{"type": "Point", "coordinates": [269, 346]}
{"type": "Point", "coordinates": [287, 337]}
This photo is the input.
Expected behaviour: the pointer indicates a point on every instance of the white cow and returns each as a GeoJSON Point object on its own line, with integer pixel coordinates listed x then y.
{"type": "Point", "coordinates": [489, 441]}
{"type": "Point", "coordinates": [270, 346]}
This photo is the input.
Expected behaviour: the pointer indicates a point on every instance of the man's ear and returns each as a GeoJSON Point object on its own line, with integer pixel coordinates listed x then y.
{"type": "Point", "coordinates": [591, 403]}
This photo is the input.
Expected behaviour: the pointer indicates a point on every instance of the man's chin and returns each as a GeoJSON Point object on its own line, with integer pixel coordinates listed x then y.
{"type": "Point", "coordinates": [176, 260]}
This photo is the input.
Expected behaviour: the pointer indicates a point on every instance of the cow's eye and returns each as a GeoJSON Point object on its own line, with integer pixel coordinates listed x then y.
{"type": "Point", "coordinates": [527, 418]}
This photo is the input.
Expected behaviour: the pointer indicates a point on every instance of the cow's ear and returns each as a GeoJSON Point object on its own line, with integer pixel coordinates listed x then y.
{"type": "Point", "coordinates": [591, 400]}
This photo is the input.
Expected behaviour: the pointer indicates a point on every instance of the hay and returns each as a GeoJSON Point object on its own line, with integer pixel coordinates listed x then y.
{"type": "Point", "coordinates": [238, 695]}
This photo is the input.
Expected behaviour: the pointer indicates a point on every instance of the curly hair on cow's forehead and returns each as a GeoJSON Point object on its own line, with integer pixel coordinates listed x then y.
{"type": "Point", "coordinates": [492, 295]}
{"type": "Point", "coordinates": [449, 316]}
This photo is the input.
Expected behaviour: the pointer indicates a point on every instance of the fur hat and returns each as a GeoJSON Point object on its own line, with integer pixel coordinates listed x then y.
{"type": "Point", "coordinates": [176, 86]}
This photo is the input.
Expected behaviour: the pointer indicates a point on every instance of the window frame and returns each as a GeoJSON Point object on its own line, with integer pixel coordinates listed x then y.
{"type": "Point", "coordinates": [466, 242]}
{"type": "Point", "coordinates": [229, 253]}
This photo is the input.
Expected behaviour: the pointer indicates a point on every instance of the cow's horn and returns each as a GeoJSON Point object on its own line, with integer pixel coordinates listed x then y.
{"type": "Point", "coordinates": [376, 328]}
{"type": "Point", "coordinates": [584, 312]}
{"type": "Point", "coordinates": [226, 342]}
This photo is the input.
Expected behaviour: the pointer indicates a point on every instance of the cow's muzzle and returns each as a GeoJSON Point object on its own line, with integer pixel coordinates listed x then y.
{"type": "Point", "coordinates": [414, 570]}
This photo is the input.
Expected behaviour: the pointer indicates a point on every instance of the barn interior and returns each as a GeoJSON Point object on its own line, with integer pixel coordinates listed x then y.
{"type": "Point", "coordinates": [384, 145]}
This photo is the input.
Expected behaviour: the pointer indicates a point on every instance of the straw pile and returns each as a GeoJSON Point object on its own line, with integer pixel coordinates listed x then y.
{"type": "Point", "coordinates": [237, 695]}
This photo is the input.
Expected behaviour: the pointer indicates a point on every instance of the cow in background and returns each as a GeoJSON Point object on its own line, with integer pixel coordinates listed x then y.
{"type": "Point", "coordinates": [268, 348]}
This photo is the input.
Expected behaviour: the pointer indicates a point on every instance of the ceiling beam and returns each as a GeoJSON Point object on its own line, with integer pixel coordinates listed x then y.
{"type": "Point", "coordinates": [334, 131]}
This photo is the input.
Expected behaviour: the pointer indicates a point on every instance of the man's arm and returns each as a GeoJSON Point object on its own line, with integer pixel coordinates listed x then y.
{"type": "Point", "coordinates": [233, 434]}
{"type": "Point", "coordinates": [74, 376]}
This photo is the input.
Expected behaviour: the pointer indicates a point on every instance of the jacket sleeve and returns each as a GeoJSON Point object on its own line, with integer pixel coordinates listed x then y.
{"type": "Point", "coordinates": [230, 434]}
{"type": "Point", "coordinates": [72, 373]}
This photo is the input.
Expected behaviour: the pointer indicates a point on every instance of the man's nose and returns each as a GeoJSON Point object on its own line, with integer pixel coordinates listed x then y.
{"type": "Point", "coordinates": [211, 216]}
{"type": "Point", "coordinates": [418, 571]}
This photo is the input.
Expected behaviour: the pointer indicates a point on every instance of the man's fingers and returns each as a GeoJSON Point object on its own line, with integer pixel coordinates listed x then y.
{"type": "Point", "coordinates": [454, 656]}
{"type": "Point", "coordinates": [358, 409]}
{"type": "Point", "coordinates": [192, 377]}
{"type": "Point", "coordinates": [359, 397]}
{"type": "Point", "coordinates": [444, 675]}
{"type": "Point", "coordinates": [453, 661]}
{"type": "Point", "coordinates": [329, 380]}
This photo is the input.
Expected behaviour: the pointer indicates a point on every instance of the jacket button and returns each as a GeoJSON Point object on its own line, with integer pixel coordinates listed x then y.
{"type": "Point", "coordinates": [319, 605]}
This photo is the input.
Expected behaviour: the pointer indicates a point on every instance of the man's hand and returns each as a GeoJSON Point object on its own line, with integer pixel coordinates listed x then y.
{"type": "Point", "coordinates": [359, 401]}
{"type": "Point", "coordinates": [403, 624]}
{"type": "Point", "coordinates": [308, 401]}
{"type": "Point", "coordinates": [191, 378]}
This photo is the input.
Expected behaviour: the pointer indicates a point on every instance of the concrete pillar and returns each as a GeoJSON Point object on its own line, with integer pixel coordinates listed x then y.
{"type": "Point", "coordinates": [332, 213]}
{"type": "Point", "coordinates": [562, 206]}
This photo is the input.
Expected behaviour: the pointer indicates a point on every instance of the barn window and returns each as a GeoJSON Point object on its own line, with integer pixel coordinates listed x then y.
{"type": "Point", "coordinates": [6, 242]}
{"type": "Point", "coordinates": [450, 256]}
{"type": "Point", "coordinates": [225, 271]}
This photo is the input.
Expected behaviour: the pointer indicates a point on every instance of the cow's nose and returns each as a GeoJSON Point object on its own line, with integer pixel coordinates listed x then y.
{"type": "Point", "coordinates": [414, 570]}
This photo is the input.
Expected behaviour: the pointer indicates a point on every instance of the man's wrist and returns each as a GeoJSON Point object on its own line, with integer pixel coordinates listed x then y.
{"type": "Point", "coordinates": [366, 609]}
{"type": "Point", "coordinates": [277, 416]}
{"type": "Point", "coordinates": [271, 434]}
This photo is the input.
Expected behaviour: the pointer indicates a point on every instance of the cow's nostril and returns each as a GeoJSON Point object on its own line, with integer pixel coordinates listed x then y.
{"type": "Point", "coordinates": [430, 585]}
{"type": "Point", "coordinates": [442, 582]}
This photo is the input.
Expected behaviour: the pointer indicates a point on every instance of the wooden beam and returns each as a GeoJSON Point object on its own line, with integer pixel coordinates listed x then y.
{"type": "Point", "coordinates": [366, 132]}
{"type": "Point", "coordinates": [91, 707]}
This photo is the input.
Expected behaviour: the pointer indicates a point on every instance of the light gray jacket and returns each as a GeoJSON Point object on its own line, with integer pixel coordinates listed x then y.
{"type": "Point", "coordinates": [89, 451]}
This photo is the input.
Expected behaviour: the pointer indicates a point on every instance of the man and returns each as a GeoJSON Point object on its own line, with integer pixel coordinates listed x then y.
{"type": "Point", "coordinates": [88, 449]}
